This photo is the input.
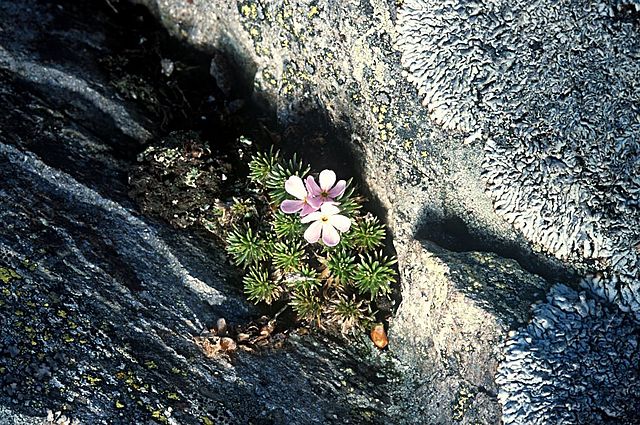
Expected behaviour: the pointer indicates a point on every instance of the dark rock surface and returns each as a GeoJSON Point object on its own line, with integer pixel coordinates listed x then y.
{"type": "Point", "coordinates": [98, 304]}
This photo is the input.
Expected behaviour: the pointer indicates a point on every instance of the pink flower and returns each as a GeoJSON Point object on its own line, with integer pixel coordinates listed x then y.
{"type": "Point", "coordinates": [305, 203]}
{"type": "Point", "coordinates": [326, 223]}
{"type": "Point", "coordinates": [326, 192]}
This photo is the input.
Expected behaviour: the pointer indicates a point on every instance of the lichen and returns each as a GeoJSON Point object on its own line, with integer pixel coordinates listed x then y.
{"type": "Point", "coordinates": [557, 105]}
{"type": "Point", "coordinates": [575, 362]}
{"type": "Point", "coordinates": [473, 62]}
{"type": "Point", "coordinates": [7, 275]}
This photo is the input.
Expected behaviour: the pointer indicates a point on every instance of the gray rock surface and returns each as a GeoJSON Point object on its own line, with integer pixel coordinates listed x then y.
{"type": "Point", "coordinates": [552, 87]}
{"type": "Point", "coordinates": [457, 309]}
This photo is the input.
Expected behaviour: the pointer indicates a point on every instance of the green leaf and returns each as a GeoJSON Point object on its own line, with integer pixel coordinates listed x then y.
{"type": "Point", "coordinates": [374, 275]}
{"type": "Point", "coordinates": [307, 305]}
{"type": "Point", "coordinates": [246, 248]}
{"type": "Point", "coordinates": [259, 287]}
{"type": "Point", "coordinates": [340, 266]}
{"type": "Point", "coordinates": [305, 279]}
{"type": "Point", "coordinates": [262, 165]}
{"type": "Point", "coordinates": [367, 233]}
{"type": "Point", "coordinates": [289, 257]}
{"type": "Point", "coordinates": [279, 174]}
{"type": "Point", "coordinates": [287, 226]}
{"type": "Point", "coordinates": [349, 314]}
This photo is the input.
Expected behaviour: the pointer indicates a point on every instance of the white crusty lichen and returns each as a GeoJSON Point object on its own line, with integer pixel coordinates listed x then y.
{"type": "Point", "coordinates": [552, 85]}
{"type": "Point", "coordinates": [574, 199]}
{"type": "Point", "coordinates": [494, 62]}
{"type": "Point", "coordinates": [576, 362]}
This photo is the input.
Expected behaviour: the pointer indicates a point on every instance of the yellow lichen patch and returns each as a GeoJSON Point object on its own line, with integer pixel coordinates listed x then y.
{"type": "Point", "coordinates": [206, 421]}
{"type": "Point", "coordinates": [119, 404]}
{"type": "Point", "coordinates": [157, 415]}
{"type": "Point", "coordinates": [313, 11]}
{"type": "Point", "coordinates": [62, 313]}
{"type": "Point", "coordinates": [68, 338]}
{"type": "Point", "coordinates": [173, 396]}
{"type": "Point", "coordinates": [7, 275]}
{"type": "Point", "coordinates": [92, 380]}
{"type": "Point", "coordinates": [385, 128]}
{"type": "Point", "coordinates": [175, 370]}
{"type": "Point", "coordinates": [462, 405]}
{"type": "Point", "coordinates": [150, 364]}
{"type": "Point", "coordinates": [249, 11]}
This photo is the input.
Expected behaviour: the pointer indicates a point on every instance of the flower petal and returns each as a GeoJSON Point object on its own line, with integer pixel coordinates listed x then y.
{"type": "Point", "coordinates": [330, 235]}
{"type": "Point", "coordinates": [327, 179]}
{"type": "Point", "coordinates": [328, 208]}
{"type": "Point", "coordinates": [338, 189]}
{"type": "Point", "coordinates": [315, 202]}
{"type": "Point", "coordinates": [290, 206]}
{"type": "Point", "coordinates": [312, 217]}
{"type": "Point", "coordinates": [340, 222]}
{"type": "Point", "coordinates": [295, 187]}
{"type": "Point", "coordinates": [312, 234]}
{"type": "Point", "coordinates": [312, 186]}
{"type": "Point", "coordinates": [307, 209]}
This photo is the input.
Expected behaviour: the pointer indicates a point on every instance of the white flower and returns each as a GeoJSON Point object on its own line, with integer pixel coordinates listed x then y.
{"type": "Point", "coordinates": [326, 224]}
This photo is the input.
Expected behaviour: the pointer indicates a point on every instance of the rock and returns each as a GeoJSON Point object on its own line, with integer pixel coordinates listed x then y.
{"type": "Point", "coordinates": [100, 304]}
{"type": "Point", "coordinates": [530, 117]}
{"type": "Point", "coordinates": [457, 309]}
{"type": "Point", "coordinates": [329, 76]}
{"type": "Point", "coordinates": [558, 104]}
